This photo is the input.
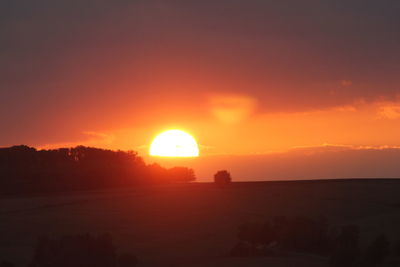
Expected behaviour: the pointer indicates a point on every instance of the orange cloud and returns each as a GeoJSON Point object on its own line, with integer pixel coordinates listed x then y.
{"type": "Point", "coordinates": [232, 109]}
{"type": "Point", "coordinates": [346, 83]}
{"type": "Point", "coordinates": [390, 111]}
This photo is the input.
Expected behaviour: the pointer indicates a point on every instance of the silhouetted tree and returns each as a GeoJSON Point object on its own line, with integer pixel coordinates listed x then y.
{"type": "Point", "coordinates": [303, 234]}
{"type": "Point", "coordinates": [181, 174]}
{"type": "Point", "coordinates": [81, 250]}
{"type": "Point", "coordinates": [26, 170]}
{"type": "Point", "coordinates": [292, 234]}
{"type": "Point", "coordinates": [283, 235]}
{"type": "Point", "coordinates": [346, 249]}
{"type": "Point", "coordinates": [376, 252]}
{"type": "Point", "coordinates": [222, 178]}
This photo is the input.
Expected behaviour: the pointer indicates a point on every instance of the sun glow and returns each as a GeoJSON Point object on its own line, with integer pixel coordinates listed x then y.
{"type": "Point", "coordinates": [174, 143]}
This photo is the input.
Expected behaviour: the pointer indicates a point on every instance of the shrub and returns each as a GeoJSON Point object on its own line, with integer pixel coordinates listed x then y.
{"type": "Point", "coordinates": [222, 178]}
{"type": "Point", "coordinates": [296, 234]}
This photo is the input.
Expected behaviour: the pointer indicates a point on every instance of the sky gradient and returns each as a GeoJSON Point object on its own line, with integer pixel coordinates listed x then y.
{"type": "Point", "coordinates": [244, 77]}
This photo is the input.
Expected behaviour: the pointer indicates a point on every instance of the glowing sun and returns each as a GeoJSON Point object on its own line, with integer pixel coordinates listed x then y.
{"type": "Point", "coordinates": [174, 143]}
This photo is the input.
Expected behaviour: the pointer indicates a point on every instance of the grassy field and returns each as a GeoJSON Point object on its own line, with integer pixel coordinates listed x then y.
{"type": "Point", "coordinates": [196, 224]}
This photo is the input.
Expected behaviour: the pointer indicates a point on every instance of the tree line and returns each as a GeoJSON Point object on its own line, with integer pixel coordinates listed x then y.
{"type": "Point", "coordinates": [25, 169]}
{"type": "Point", "coordinates": [283, 236]}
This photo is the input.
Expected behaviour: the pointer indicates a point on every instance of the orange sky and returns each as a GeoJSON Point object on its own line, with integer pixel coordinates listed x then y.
{"type": "Point", "coordinates": [232, 125]}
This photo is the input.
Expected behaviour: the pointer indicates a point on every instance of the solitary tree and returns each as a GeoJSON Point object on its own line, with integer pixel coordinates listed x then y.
{"type": "Point", "coordinates": [222, 178]}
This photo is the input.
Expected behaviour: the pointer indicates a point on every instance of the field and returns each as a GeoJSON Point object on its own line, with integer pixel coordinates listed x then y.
{"type": "Point", "coordinates": [196, 224]}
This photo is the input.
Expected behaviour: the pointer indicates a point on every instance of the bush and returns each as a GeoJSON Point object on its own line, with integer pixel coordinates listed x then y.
{"type": "Point", "coordinates": [181, 174]}
{"type": "Point", "coordinates": [295, 234]}
{"type": "Point", "coordinates": [301, 234]}
{"type": "Point", "coordinates": [222, 178]}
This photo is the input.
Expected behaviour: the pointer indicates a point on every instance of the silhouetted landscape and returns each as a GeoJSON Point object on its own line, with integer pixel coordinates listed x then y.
{"type": "Point", "coordinates": [174, 222]}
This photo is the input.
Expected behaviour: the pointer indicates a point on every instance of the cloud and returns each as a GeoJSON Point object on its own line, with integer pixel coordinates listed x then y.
{"type": "Point", "coordinates": [389, 111]}
{"type": "Point", "coordinates": [232, 109]}
{"type": "Point", "coordinates": [346, 83]}
{"type": "Point", "coordinates": [327, 148]}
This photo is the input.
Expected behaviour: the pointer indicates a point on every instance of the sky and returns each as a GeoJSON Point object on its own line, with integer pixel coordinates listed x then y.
{"type": "Point", "coordinates": [247, 78]}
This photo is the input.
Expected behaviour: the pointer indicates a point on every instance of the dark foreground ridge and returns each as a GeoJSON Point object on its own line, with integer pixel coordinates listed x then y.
{"type": "Point", "coordinates": [196, 224]}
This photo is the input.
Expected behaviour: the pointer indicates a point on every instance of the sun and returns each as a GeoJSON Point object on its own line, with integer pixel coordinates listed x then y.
{"type": "Point", "coordinates": [174, 143]}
